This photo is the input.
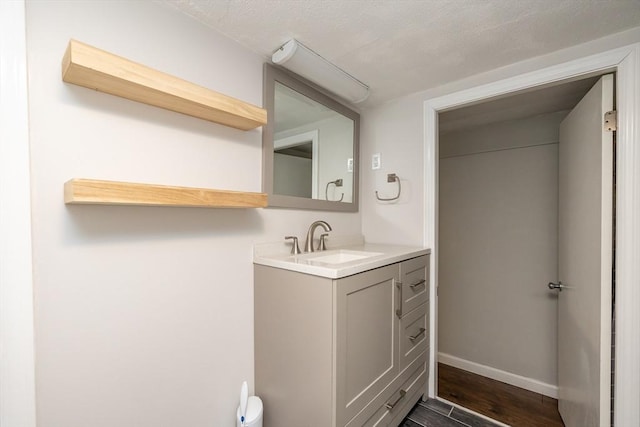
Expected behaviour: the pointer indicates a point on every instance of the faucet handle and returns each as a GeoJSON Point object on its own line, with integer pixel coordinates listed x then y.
{"type": "Point", "coordinates": [322, 243]}
{"type": "Point", "coordinates": [295, 249]}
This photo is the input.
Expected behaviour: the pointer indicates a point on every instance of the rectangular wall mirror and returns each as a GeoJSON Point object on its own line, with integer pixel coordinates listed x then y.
{"type": "Point", "coordinates": [310, 146]}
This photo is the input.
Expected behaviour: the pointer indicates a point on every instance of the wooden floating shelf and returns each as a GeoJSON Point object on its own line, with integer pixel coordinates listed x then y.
{"type": "Point", "coordinates": [93, 68]}
{"type": "Point", "coordinates": [96, 192]}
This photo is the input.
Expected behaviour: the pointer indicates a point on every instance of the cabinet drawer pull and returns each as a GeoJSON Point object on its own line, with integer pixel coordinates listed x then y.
{"type": "Point", "coordinates": [390, 406]}
{"type": "Point", "coordinates": [420, 332]}
{"type": "Point", "coordinates": [399, 310]}
{"type": "Point", "coordinates": [420, 283]}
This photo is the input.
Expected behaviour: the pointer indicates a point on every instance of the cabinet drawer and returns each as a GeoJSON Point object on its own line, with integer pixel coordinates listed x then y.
{"type": "Point", "coordinates": [401, 402]}
{"type": "Point", "coordinates": [414, 276]}
{"type": "Point", "coordinates": [414, 334]}
{"type": "Point", "coordinates": [376, 413]}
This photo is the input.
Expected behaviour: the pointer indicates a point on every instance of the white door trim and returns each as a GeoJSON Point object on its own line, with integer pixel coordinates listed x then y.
{"type": "Point", "coordinates": [626, 62]}
{"type": "Point", "coordinates": [17, 377]}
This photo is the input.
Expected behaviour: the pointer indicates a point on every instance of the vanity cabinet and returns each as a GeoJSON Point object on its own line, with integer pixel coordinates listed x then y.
{"type": "Point", "coordinates": [341, 352]}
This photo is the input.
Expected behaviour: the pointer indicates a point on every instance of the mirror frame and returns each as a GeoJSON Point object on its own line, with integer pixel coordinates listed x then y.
{"type": "Point", "coordinates": [308, 89]}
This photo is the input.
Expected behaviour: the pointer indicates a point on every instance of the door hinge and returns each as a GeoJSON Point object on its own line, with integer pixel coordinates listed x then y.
{"type": "Point", "coordinates": [611, 121]}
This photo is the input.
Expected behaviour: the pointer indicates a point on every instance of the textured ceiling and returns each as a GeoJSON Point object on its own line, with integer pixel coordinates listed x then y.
{"type": "Point", "coordinates": [399, 47]}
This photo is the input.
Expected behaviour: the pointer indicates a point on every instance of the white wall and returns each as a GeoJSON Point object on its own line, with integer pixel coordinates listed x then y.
{"type": "Point", "coordinates": [17, 382]}
{"type": "Point", "coordinates": [498, 241]}
{"type": "Point", "coordinates": [395, 132]}
{"type": "Point", "coordinates": [143, 316]}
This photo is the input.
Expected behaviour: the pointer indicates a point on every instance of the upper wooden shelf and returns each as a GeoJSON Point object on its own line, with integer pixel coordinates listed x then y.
{"type": "Point", "coordinates": [94, 68]}
{"type": "Point", "coordinates": [96, 192]}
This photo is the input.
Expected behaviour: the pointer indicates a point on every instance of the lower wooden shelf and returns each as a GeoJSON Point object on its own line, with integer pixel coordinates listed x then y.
{"type": "Point", "coordinates": [97, 192]}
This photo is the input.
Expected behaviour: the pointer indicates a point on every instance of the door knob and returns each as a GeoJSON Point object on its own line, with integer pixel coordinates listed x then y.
{"type": "Point", "coordinates": [557, 286]}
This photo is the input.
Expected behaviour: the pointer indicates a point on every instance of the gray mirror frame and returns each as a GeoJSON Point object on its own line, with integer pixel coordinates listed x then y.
{"type": "Point", "coordinates": [271, 76]}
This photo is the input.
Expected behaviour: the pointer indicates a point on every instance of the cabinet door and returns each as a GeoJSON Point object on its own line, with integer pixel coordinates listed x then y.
{"type": "Point", "coordinates": [367, 345]}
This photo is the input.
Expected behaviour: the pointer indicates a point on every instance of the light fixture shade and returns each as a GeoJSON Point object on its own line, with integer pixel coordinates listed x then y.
{"type": "Point", "coordinates": [303, 61]}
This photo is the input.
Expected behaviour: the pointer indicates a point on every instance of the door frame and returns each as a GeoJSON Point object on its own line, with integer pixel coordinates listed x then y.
{"type": "Point", "coordinates": [625, 62]}
{"type": "Point", "coordinates": [17, 368]}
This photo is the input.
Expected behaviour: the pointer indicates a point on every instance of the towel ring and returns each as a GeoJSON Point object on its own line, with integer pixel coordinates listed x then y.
{"type": "Point", "coordinates": [391, 178]}
{"type": "Point", "coordinates": [337, 183]}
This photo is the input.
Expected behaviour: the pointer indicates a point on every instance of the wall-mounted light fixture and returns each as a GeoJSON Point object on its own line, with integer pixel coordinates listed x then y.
{"type": "Point", "coordinates": [305, 62]}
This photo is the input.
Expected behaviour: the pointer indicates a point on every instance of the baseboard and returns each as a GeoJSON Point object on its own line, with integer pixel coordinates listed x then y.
{"type": "Point", "coordinates": [499, 375]}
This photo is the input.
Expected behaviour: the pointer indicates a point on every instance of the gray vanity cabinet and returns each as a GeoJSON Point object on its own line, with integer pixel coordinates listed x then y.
{"type": "Point", "coordinates": [341, 352]}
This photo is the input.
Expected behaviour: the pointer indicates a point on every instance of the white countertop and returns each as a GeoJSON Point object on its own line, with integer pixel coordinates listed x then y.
{"type": "Point", "coordinates": [377, 255]}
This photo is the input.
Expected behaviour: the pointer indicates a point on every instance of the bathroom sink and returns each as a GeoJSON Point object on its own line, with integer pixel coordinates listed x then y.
{"type": "Point", "coordinates": [351, 257]}
{"type": "Point", "coordinates": [339, 256]}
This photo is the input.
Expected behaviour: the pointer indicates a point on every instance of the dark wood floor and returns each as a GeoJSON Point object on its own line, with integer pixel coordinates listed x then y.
{"type": "Point", "coordinates": [503, 402]}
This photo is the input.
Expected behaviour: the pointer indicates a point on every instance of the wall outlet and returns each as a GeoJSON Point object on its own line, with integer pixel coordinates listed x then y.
{"type": "Point", "coordinates": [375, 161]}
{"type": "Point", "coordinates": [350, 164]}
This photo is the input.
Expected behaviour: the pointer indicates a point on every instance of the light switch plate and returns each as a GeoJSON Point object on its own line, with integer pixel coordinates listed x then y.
{"type": "Point", "coordinates": [375, 161]}
{"type": "Point", "coordinates": [350, 164]}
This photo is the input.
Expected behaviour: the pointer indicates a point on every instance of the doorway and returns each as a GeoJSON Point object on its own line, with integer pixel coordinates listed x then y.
{"type": "Point", "coordinates": [625, 61]}
{"type": "Point", "coordinates": [498, 240]}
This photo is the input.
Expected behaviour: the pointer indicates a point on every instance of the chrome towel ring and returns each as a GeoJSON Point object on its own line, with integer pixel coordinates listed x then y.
{"type": "Point", "coordinates": [337, 183]}
{"type": "Point", "coordinates": [391, 178]}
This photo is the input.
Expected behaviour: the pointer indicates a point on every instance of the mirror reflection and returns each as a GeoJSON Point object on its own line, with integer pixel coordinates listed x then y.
{"type": "Point", "coordinates": [310, 146]}
{"type": "Point", "coordinates": [313, 148]}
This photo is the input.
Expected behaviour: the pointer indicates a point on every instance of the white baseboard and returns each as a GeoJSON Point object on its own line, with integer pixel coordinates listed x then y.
{"type": "Point", "coordinates": [499, 375]}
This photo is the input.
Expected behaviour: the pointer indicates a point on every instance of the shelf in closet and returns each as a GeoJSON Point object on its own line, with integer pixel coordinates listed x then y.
{"type": "Point", "coordinates": [97, 69]}
{"type": "Point", "coordinates": [97, 192]}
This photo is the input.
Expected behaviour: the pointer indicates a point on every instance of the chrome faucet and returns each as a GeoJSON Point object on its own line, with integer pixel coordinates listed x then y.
{"type": "Point", "coordinates": [308, 244]}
